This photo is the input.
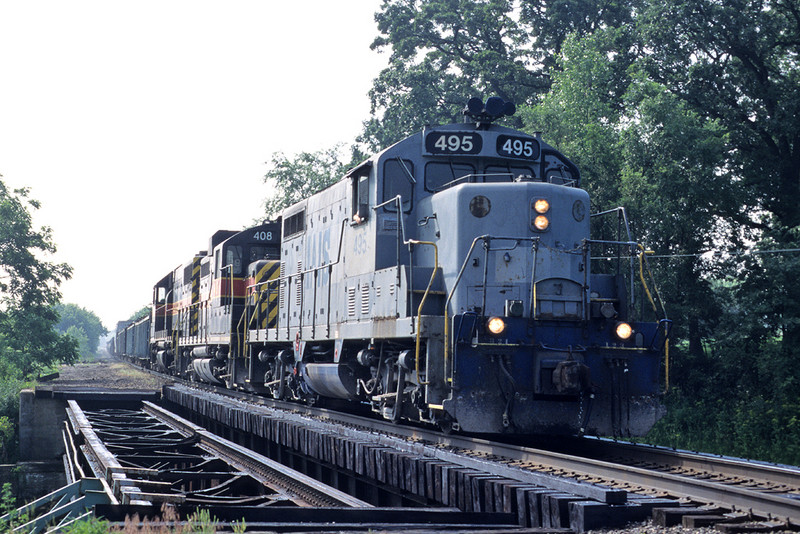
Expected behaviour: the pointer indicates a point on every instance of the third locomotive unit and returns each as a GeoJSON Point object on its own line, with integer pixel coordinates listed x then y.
{"type": "Point", "coordinates": [449, 279]}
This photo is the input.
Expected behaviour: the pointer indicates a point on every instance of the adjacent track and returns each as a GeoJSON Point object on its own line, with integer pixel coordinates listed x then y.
{"type": "Point", "coordinates": [146, 457]}
{"type": "Point", "coordinates": [151, 456]}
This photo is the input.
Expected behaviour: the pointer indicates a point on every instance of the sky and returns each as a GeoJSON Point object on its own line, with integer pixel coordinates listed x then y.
{"type": "Point", "coordinates": [144, 126]}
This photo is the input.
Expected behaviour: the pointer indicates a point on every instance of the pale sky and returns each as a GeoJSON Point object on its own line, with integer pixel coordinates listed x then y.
{"type": "Point", "coordinates": [144, 126]}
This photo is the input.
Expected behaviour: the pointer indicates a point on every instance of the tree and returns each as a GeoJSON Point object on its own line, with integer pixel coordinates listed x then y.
{"type": "Point", "coordinates": [81, 324]}
{"type": "Point", "coordinates": [442, 52]}
{"type": "Point", "coordinates": [295, 179]}
{"type": "Point", "coordinates": [140, 314]}
{"type": "Point", "coordinates": [551, 22]}
{"type": "Point", "coordinates": [29, 289]}
{"type": "Point", "coordinates": [736, 63]}
{"type": "Point", "coordinates": [582, 113]}
{"type": "Point", "coordinates": [640, 147]}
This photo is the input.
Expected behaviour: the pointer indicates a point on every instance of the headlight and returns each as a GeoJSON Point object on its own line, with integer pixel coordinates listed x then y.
{"type": "Point", "coordinates": [623, 331]}
{"type": "Point", "coordinates": [496, 325]}
{"type": "Point", "coordinates": [541, 223]}
{"type": "Point", "coordinates": [541, 206]}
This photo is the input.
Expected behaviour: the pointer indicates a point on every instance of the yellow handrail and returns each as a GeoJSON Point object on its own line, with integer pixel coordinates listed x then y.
{"type": "Point", "coordinates": [424, 297]}
{"type": "Point", "coordinates": [655, 309]}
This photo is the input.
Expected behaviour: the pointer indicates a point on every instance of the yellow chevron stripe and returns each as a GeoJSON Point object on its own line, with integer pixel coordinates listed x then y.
{"type": "Point", "coordinates": [269, 271]}
{"type": "Point", "coordinates": [194, 316]}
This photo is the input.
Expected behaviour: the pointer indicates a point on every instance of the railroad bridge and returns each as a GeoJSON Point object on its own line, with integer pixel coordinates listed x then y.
{"type": "Point", "coordinates": [128, 452]}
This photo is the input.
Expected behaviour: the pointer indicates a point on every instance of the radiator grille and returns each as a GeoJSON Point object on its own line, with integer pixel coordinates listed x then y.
{"type": "Point", "coordinates": [365, 299]}
{"type": "Point", "coordinates": [351, 302]}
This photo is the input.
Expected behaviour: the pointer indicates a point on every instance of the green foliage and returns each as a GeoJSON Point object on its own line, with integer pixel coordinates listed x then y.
{"type": "Point", "coordinates": [25, 280]}
{"type": "Point", "coordinates": [32, 344]}
{"type": "Point", "coordinates": [140, 314]}
{"type": "Point", "coordinates": [28, 291]}
{"type": "Point", "coordinates": [7, 500]}
{"type": "Point", "coordinates": [295, 179]}
{"type": "Point", "coordinates": [8, 505]}
{"type": "Point", "coordinates": [736, 63]}
{"type": "Point", "coordinates": [443, 52]}
{"type": "Point", "coordinates": [201, 521]}
{"type": "Point", "coordinates": [88, 526]}
{"type": "Point", "coordinates": [7, 432]}
{"type": "Point", "coordinates": [581, 116]}
{"type": "Point", "coordinates": [733, 65]}
{"type": "Point", "coordinates": [82, 325]}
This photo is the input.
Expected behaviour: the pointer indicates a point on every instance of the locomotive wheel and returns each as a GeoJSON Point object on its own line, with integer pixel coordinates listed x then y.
{"type": "Point", "coordinates": [446, 426]}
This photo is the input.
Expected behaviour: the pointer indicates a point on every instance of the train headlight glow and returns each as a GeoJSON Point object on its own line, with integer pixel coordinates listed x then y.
{"type": "Point", "coordinates": [623, 331]}
{"type": "Point", "coordinates": [496, 325]}
{"type": "Point", "coordinates": [541, 206]}
{"type": "Point", "coordinates": [541, 223]}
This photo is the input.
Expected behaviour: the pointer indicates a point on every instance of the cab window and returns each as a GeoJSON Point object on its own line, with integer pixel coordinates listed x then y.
{"type": "Point", "coordinates": [233, 258]}
{"type": "Point", "coordinates": [441, 175]}
{"type": "Point", "coordinates": [360, 198]}
{"type": "Point", "coordinates": [557, 170]}
{"type": "Point", "coordinates": [398, 179]}
{"type": "Point", "coordinates": [257, 253]}
{"type": "Point", "coordinates": [507, 173]}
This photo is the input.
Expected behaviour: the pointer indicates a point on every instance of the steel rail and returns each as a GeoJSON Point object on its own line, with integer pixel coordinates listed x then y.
{"type": "Point", "coordinates": [717, 465]}
{"type": "Point", "coordinates": [613, 474]}
{"type": "Point", "coordinates": [763, 503]}
{"type": "Point", "coordinates": [302, 490]}
{"type": "Point", "coordinates": [263, 469]}
{"type": "Point", "coordinates": [527, 464]}
{"type": "Point", "coordinates": [759, 502]}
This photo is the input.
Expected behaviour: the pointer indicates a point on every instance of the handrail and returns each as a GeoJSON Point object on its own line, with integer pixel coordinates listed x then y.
{"type": "Point", "coordinates": [422, 301]}
{"type": "Point", "coordinates": [398, 200]}
{"type": "Point", "coordinates": [484, 238]}
{"type": "Point", "coordinates": [288, 277]}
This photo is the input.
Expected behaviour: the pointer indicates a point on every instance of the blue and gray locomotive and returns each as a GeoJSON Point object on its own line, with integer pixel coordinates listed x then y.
{"type": "Point", "coordinates": [449, 279]}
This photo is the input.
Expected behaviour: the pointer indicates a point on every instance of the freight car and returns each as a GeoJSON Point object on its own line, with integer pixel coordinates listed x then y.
{"type": "Point", "coordinates": [449, 279]}
{"type": "Point", "coordinates": [132, 338]}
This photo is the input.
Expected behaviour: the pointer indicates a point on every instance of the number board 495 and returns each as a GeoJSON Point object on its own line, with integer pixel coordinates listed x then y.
{"type": "Point", "coordinates": [445, 143]}
{"type": "Point", "coordinates": [512, 146]}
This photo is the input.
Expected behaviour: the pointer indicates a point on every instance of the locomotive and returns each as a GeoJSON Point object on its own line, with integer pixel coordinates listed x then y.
{"type": "Point", "coordinates": [449, 279]}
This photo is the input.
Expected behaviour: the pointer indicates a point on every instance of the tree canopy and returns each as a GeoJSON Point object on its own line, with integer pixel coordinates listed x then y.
{"type": "Point", "coordinates": [444, 51]}
{"type": "Point", "coordinates": [294, 178]}
{"type": "Point", "coordinates": [28, 291]}
{"type": "Point", "coordinates": [29, 342]}
{"type": "Point", "coordinates": [81, 324]}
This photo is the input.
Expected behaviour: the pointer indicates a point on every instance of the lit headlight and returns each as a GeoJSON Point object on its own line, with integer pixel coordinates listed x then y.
{"type": "Point", "coordinates": [623, 331]}
{"type": "Point", "coordinates": [541, 223]}
{"type": "Point", "coordinates": [496, 325]}
{"type": "Point", "coordinates": [541, 206]}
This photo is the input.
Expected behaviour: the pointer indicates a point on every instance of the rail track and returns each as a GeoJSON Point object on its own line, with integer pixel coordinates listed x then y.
{"type": "Point", "coordinates": [146, 457]}
{"type": "Point", "coordinates": [152, 456]}
{"type": "Point", "coordinates": [607, 471]}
